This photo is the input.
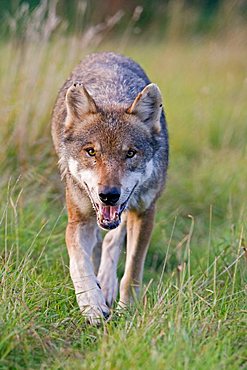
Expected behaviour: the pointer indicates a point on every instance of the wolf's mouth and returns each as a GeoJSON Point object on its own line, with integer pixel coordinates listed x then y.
{"type": "Point", "coordinates": [109, 217]}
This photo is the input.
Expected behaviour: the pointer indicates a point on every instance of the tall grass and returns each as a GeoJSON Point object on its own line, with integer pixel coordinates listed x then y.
{"type": "Point", "coordinates": [192, 313]}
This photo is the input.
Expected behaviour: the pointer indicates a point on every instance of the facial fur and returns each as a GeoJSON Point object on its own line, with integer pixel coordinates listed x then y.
{"type": "Point", "coordinates": [109, 131]}
{"type": "Point", "coordinates": [112, 163]}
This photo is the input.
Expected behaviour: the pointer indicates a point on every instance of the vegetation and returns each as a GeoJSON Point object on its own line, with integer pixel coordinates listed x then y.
{"type": "Point", "coordinates": [192, 313]}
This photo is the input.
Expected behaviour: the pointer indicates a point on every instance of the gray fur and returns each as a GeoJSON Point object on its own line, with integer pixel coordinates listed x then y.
{"type": "Point", "coordinates": [114, 81]}
{"type": "Point", "coordinates": [108, 106]}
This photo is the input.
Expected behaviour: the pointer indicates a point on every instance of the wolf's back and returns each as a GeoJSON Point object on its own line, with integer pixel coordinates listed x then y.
{"type": "Point", "coordinates": [110, 78]}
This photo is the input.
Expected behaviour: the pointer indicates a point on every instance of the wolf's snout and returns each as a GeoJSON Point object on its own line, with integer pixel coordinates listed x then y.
{"type": "Point", "coordinates": [109, 195]}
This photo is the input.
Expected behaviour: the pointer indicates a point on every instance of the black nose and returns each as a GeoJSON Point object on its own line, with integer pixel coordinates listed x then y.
{"type": "Point", "coordinates": [109, 195]}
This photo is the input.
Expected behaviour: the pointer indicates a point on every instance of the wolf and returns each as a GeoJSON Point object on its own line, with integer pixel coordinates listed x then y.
{"type": "Point", "coordinates": [110, 134]}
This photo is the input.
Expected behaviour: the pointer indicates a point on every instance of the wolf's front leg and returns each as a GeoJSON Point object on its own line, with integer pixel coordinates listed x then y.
{"type": "Point", "coordinates": [111, 249]}
{"type": "Point", "coordinates": [139, 229]}
{"type": "Point", "coordinates": [81, 237]}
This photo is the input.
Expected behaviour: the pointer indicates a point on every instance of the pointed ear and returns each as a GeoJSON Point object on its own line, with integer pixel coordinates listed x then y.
{"type": "Point", "coordinates": [148, 106]}
{"type": "Point", "coordinates": [78, 103]}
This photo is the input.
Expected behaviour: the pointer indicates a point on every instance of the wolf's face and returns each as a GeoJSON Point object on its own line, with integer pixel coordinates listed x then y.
{"type": "Point", "coordinates": [110, 153]}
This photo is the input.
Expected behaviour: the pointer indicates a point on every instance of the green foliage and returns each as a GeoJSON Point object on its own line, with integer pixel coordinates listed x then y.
{"type": "Point", "coordinates": [192, 313]}
{"type": "Point", "coordinates": [153, 18]}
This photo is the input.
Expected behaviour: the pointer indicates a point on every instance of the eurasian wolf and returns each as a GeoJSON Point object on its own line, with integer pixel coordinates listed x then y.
{"type": "Point", "coordinates": [110, 134]}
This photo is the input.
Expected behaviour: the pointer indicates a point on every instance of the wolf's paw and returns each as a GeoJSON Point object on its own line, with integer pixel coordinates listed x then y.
{"type": "Point", "coordinates": [95, 315]}
{"type": "Point", "coordinates": [123, 305]}
{"type": "Point", "coordinates": [109, 286]}
{"type": "Point", "coordinates": [92, 305]}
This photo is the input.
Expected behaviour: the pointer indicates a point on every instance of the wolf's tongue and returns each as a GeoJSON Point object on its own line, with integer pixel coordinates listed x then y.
{"type": "Point", "coordinates": [110, 213]}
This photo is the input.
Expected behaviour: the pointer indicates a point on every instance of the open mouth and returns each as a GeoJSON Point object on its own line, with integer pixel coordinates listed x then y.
{"type": "Point", "coordinates": [109, 217]}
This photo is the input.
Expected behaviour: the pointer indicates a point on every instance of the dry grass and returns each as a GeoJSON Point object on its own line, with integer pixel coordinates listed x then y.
{"type": "Point", "coordinates": [192, 315]}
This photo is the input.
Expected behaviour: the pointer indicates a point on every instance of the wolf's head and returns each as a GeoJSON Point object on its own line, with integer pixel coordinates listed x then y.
{"type": "Point", "coordinates": [109, 151]}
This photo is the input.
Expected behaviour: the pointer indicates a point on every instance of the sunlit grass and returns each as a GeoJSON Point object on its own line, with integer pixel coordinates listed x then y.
{"type": "Point", "coordinates": [192, 315]}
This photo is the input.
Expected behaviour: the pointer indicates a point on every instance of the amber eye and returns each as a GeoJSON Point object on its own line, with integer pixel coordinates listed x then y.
{"type": "Point", "coordinates": [131, 153]}
{"type": "Point", "coordinates": [91, 152]}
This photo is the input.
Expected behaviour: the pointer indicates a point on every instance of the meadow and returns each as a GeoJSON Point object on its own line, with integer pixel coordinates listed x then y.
{"type": "Point", "coordinates": [192, 311]}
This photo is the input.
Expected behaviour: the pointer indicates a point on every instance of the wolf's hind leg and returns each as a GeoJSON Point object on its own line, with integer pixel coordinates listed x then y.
{"type": "Point", "coordinates": [111, 249]}
{"type": "Point", "coordinates": [139, 229]}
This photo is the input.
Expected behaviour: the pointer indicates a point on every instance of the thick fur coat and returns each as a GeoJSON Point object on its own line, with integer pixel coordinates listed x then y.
{"type": "Point", "coordinates": [110, 134]}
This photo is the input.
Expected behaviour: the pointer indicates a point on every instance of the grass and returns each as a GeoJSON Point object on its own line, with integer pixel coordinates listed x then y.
{"type": "Point", "coordinates": [192, 314]}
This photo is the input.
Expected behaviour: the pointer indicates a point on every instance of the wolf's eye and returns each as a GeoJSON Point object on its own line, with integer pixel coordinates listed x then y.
{"type": "Point", "coordinates": [91, 152]}
{"type": "Point", "coordinates": [131, 153]}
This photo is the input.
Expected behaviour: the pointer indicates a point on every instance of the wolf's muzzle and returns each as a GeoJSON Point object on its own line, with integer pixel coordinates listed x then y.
{"type": "Point", "coordinates": [109, 195]}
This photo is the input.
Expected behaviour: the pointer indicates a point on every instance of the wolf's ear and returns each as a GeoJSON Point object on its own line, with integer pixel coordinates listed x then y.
{"type": "Point", "coordinates": [148, 106]}
{"type": "Point", "coordinates": [78, 103]}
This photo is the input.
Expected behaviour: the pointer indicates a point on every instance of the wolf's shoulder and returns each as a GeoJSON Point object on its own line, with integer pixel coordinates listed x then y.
{"type": "Point", "coordinates": [110, 78]}
{"type": "Point", "coordinates": [112, 61]}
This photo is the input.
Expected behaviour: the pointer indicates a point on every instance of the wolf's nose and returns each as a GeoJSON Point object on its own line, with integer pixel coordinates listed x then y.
{"type": "Point", "coordinates": [109, 195]}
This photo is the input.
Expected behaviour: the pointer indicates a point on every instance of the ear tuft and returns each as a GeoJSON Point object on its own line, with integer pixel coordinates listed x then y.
{"type": "Point", "coordinates": [148, 106]}
{"type": "Point", "coordinates": [78, 103]}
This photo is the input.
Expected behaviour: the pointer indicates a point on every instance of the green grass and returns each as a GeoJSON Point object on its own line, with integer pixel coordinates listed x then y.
{"type": "Point", "coordinates": [192, 314]}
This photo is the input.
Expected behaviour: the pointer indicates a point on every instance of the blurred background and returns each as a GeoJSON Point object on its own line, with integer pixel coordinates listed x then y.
{"type": "Point", "coordinates": [196, 51]}
{"type": "Point", "coordinates": [150, 19]}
